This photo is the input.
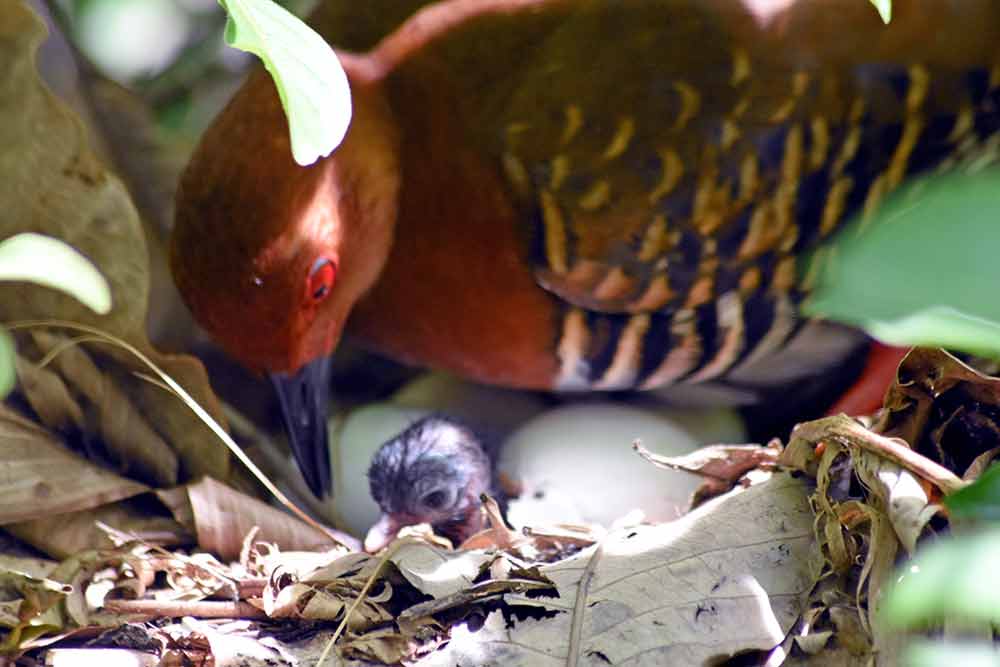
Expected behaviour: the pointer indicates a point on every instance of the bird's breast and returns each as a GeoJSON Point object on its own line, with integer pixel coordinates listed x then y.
{"type": "Point", "coordinates": [457, 292]}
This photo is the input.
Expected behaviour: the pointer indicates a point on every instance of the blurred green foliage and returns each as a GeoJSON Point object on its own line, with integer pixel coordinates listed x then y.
{"type": "Point", "coordinates": [952, 579]}
{"type": "Point", "coordinates": [170, 52]}
{"type": "Point", "coordinates": [980, 501]}
{"type": "Point", "coordinates": [922, 271]}
{"type": "Point", "coordinates": [310, 81]}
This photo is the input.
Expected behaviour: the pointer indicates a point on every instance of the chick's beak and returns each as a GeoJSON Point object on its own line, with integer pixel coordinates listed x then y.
{"type": "Point", "coordinates": [304, 396]}
{"type": "Point", "coordinates": [382, 533]}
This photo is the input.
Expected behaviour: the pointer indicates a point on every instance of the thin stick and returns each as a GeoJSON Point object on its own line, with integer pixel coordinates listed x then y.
{"type": "Point", "coordinates": [849, 432]}
{"type": "Point", "coordinates": [178, 608]}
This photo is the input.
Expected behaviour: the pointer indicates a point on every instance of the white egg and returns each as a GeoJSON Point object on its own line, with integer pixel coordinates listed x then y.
{"type": "Point", "coordinates": [581, 456]}
{"type": "Point", "coordinates": [354, 438]}
{"type": "Point", "coordinates": [709, 426]}
{"type": "Point", "coordinates": [499, 409]}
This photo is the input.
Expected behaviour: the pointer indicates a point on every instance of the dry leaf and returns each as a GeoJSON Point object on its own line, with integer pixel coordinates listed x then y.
{"type": "Point", "coordinates": [35, 567]}
{"type": "Point", "coordinates": [731, 576]}
{"type": "Point", "coordinates": [129, 439]}
{"type": "Point", "coordinates": [54, 185]}
{"type": "Point", "coordinates": [39, 477]}
{"type": "Point", "coordinates": [49, 397]}
{"type": "Point", "coordinates": [223, 517]}
{"type": "Point", "coordinates": [868, 529]}
{"type": "Point", "coordinates": [62, 535]}
{"type": "Point", "coordinates": [720, 466]}
{"type": "Point", "coordinates": [946, 410]}
{"type": "Point", "coordinates": [235, 649]}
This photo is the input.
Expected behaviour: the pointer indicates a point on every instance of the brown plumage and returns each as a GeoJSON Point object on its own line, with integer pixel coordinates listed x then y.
{"type": "Point", "coordinates": [572, 194]}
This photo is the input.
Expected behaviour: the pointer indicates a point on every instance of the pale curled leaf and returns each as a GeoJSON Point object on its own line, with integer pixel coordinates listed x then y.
{"type": "Point", "coordinates": [729, 577]}
{"type": "Point", "coordinates": [903, 498]}
{"type": "Point", "coordinates": [437, 572]}
{"type": "Point", "coordinates": [311, 83]}
{"type": "Point", "coordinates": [53, 263]}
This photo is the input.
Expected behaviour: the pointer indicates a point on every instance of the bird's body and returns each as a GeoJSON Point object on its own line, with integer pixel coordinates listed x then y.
{"type": "Point", "coordinates": [576, 194]}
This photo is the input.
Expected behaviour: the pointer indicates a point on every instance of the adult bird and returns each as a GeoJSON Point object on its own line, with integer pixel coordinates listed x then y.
{"type": "Point", "coordinates": [571, 194]}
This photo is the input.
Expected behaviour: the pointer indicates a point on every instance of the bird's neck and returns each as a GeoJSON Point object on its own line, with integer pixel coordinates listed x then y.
{"type": "Point", "coordinates": [458, 269]}
{"type": "Point", "coordinates": [359, 182]}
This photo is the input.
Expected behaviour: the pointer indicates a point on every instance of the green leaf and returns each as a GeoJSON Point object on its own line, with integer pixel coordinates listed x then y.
{"type": "Point", "coordinates": [940, 326]}
{"type": "Point", "coordinates": [8, 374]}
{"type": "Point", "coordinates": [884, 8]}
{"type": "Point", "coordinates": [311, 83]}
{"type": "Point", "coordinates": [53, 263]}
{"type": "Point", "coordinates": [934, 653]}
{"type": "Point", "coordinates": [979, 500]}
{"type": "Point", "coordinates": [923, 271]}
{"type": "Point", "coordinates": [953, 579]}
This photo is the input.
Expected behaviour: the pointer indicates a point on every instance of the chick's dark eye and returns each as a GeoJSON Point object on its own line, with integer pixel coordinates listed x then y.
{"type": "Point", "coordinates": [320, 280]}
{"type": "Point", "coordinates": [434, 500]}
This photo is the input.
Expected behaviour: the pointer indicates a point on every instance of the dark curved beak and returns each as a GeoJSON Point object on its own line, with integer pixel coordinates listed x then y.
{"type": "Point", "coordinates": [304, 396]}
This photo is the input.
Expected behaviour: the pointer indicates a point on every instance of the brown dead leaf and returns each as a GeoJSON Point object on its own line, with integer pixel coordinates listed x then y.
{"type": "Point", "coordinates": [131, 442]}
{"type": "Point", "coordinates": [178, 502]}
{"type": "Point", "coordinates": [49, 397]}
{"type": "Point", "coordinates": [720, 466]}
{"type": "Point", "coordinates": [871, 502]}
{"type": "Point", "coordinates": [233, 649]}
{"type": "Point", "coordinates": [40, 477]}
{"type": "Point", "coordinates": [945, 409]}
{"type": "Point", "coordinates": [223, 517]}
{"type": "Point", "coordinates": [54, 185]}
{"type": "Point", "coordinates": [62, 535]}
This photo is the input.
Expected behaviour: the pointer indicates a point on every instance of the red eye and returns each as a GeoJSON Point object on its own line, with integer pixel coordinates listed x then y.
{"type": "Point", "coordinates": [320, 280]}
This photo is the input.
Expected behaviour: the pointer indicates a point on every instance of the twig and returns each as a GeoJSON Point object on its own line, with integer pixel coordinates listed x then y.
{"type": "Point", "coordinates": [178, 608]}
{"type": "Point", "coordinates": [848, 432]}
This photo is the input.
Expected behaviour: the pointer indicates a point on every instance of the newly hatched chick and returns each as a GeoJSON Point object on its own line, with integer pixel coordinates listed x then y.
{"type": "Point", "coordinates": [433, 472]}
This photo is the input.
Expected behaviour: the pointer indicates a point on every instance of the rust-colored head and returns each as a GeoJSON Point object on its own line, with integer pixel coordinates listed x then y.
{"type": "Point", "coordinates": [271, 256]}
